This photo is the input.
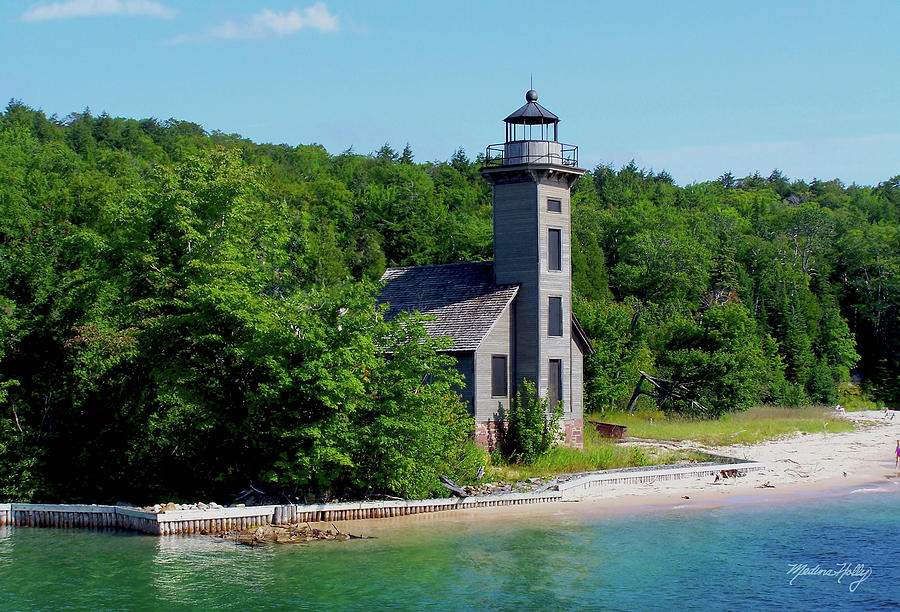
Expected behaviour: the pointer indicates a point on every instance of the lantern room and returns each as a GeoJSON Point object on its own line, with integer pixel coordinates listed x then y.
{"type": "Point", "coordinates": [532, 134]}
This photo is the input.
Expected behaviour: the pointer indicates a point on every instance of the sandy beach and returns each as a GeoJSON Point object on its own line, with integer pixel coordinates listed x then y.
{"type": "Point", "coordinates": [799, 464]}
{"type": "Point", "coordinates": [797, 467]}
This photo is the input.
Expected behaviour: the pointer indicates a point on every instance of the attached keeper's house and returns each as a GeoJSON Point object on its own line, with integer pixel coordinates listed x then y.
{"type": "Point", "coordinates": [511, 319]}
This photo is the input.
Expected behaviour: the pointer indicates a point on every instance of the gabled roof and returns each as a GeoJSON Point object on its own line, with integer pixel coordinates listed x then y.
{"type": "Point", "coordinates": [462, 297]}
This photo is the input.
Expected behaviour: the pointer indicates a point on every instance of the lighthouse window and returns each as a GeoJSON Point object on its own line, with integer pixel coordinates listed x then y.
{"type": "Point", "coordinates": [554, 320]}
{"type": "Point", "coordinates": [498, 376]}
{"type": "Point", "coordinates": [555, 380]}
{"type": "Point", "coordinates": [554, 244]}
{"type": "Point", "coordinates": [554, 205]}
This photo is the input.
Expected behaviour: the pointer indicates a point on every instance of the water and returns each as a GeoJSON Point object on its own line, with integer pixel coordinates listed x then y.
{"type": "Point", "coordinates": [732, 557]}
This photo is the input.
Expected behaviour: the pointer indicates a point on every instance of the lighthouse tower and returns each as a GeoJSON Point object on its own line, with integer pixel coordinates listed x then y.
{"type": "Point", "coordinates": [531, 174]}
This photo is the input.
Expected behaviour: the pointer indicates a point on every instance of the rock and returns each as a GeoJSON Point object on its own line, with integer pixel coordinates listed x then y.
{"type": "Point", "coordinates": [288, 533]}
{"type": "Point", "coordinates": [169, 506]}
{"type": "Point", "coordinates": [202, 506]}
{"type": "Point", "coordinates": [214, 506]}
{"type": "Point", "coordinates": [246, 539]}
{"type": "Point", "coordinates": [156, 509]}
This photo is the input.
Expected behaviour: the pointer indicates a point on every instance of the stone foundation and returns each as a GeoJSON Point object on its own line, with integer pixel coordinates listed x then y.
{"type": "Point", "coordinates": [489, 434]}
{"type": "Point", "coordinates": [574, 432]}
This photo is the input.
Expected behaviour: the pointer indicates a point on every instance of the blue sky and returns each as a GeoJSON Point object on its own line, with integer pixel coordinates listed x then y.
{"type": "Point", "coordinates": [697, 88]}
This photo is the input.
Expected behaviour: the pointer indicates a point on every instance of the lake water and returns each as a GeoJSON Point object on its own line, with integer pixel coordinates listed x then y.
{"type": "Point", "coordinates": [732, 557]}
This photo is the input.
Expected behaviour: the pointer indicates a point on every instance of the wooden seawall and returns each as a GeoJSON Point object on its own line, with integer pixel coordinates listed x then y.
{"type": "Point", "coordinates": [657, 474]}
{"type": "Point", "coordinates": [223, 519]}
{"type": "Point", "coordinates": [219, 520]}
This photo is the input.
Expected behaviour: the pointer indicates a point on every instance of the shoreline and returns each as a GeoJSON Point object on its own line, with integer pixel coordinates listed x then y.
{"type": "Point", "coordinates": [799, 467]}
{"type": "Point", "coordinates": [785, 470]}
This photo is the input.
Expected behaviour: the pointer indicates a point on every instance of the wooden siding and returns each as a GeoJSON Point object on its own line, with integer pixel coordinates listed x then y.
{"type": "Point", "coordinates": [516, 259]}
{"type": "Point", "coordinates": [498, 341]}
{"type": "Point", "coordinates": [577, 384]}
{"type": "Point", "coordinates": [555, 283]}
{"type": "Point", "coordinates": [521, 255]}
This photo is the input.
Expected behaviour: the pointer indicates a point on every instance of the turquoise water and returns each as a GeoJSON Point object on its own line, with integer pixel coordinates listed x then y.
{"type": "Point", "coordinates": [734, 557]}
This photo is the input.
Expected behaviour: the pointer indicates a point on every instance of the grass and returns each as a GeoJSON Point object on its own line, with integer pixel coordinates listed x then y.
{"type": "Point", "coordinates": [599, 454]}
{"type": "Point", "coordinates": [754, 425]}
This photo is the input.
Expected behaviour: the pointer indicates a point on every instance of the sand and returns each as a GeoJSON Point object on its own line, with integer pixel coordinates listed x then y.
{"type": "Point", "coordinates": [798, 467]}
{"type": "Point", "coordinates": [795, 465]}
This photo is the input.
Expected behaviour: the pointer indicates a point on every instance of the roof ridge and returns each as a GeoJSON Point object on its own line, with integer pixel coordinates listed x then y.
{"type": "Point", "coordinates": [457, 263]}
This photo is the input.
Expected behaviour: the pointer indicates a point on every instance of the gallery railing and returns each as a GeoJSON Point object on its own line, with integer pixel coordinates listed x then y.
{"type": "Point", "coordinates": [531, 152]}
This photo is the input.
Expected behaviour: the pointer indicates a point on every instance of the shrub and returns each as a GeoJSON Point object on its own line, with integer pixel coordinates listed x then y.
{"type": "Point", "coordinates": [533, 426]}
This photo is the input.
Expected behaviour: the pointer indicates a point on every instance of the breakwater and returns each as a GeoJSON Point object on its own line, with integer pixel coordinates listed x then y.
{"type": "Point", "coordinates": [223, 519]}
{"type": "Point", "coordinates": [218, 520]}
{"type": "Point", "coordinates": [657, 473]}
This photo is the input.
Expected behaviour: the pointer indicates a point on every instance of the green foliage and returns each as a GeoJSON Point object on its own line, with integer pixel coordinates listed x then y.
{"type": "Point", "coordinates": [619, 355]}
{"type": "Point", "coordinates": [852, 398]}
{"type": "Point", "coordinates": [532, 425]}
{"type": "Point", "coordinates": [183, 313]}
{"type": "Point", "coordinates": [464, 468]}
{"type": "Point", "coordinates": [814, 265]}
{"type": "Point", "coordinates": [717, 354]}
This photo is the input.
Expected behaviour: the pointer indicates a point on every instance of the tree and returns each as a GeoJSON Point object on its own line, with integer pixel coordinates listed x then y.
{"type": "Point", "coordinates": [407, 156]}
{"type": "Point", "coordinates": [612, 371]}
{"type": "Point", "coordinates": [718, 355]}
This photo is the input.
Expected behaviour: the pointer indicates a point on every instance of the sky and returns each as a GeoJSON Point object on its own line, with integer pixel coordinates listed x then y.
{"type": "Point", "coordinates": [696, 88]}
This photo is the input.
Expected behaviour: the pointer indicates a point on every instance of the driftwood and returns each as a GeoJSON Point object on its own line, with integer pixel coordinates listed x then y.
{"type": "Point", "coordinates": [454, 488]}
{"type": "Point", "coordinates": [728, 474]}
{"type": "Point", "coordinates": [665, 390]}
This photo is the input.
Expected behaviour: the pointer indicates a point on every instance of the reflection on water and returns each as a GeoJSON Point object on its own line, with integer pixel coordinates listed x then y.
{"type": "Point", "coordinates": [734, 557]}
{"type": "Point", "coordinates": [191, 570]}
{"type": "Point", "coordinates": [6, 546]}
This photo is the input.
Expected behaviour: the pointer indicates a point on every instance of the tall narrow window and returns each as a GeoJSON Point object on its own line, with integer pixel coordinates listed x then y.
{"type": "Point", "coordinates": [554, 317]}
{"type": "Point", "coordinates": [555, 382]}
{"type": "Point", "coordinates": [554, 245]}
{"type": "Point", "coordinates": [498, 376]}
{"type": "Point", "coordinates": [554, 205]}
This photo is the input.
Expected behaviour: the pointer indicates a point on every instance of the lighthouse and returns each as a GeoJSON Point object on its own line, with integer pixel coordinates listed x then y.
{"type": "Point", "coordinates": [511, 320]}
{"type": "Point", "coordinates": [532, 174]}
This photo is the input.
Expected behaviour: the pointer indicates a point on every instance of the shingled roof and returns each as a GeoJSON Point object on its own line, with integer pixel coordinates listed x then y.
{"type": "Point", "coordinates": [462, 297]}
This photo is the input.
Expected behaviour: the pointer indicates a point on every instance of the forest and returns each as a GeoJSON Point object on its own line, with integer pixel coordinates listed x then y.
{"type": "Point", "coordinates": [185, 313]}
